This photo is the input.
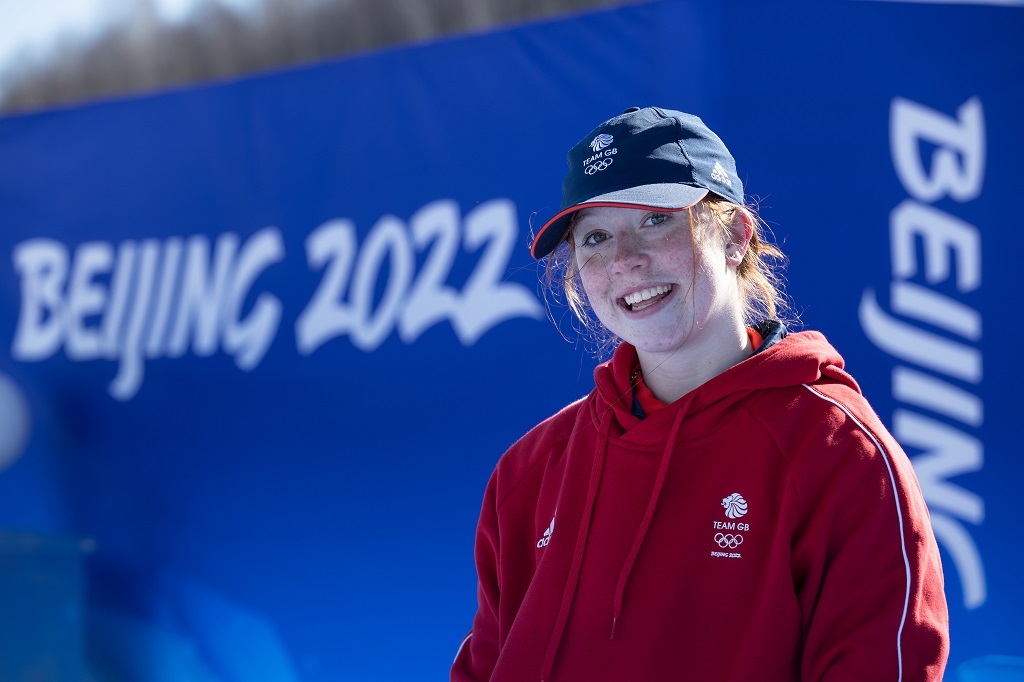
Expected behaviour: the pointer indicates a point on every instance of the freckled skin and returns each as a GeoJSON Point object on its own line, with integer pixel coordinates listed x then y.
{"type": "Point", "coordinates": [621, 250]}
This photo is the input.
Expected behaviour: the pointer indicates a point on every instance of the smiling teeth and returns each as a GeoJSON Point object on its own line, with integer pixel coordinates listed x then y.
{"type": "Point", "coordinates": [646, 294]}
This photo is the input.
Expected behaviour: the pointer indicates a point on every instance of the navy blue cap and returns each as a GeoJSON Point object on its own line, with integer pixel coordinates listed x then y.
{"type": "Point", "coordinates": [643, 158]}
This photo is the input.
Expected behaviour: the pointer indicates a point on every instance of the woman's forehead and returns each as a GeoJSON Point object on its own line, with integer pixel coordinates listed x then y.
{"type": "Point", "coordinates": [605, 212]}
{"type": "Point", "coordinates": [627, 213]}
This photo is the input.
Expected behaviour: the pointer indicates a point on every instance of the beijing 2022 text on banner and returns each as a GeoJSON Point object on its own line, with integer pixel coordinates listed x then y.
{"type": "Point", "coordinates": [262, 342]}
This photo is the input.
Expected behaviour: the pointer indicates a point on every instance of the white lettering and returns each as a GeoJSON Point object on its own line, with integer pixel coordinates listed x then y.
{"type": "Point", "coordinates": [333, 245]}
{"type": "Point", "coordinates": [946, 452]}
{"type": "Point", "coordinates": [431, 300]}
{"type": "Point", "coordinates": [120, 291]}
{"type": "Point", "coordinates": [487, 299]}
{"type": "Point", "coordinates": [958, 542]}
{"type": "Point", "coordinates": [130, 370]}
{"type": "Point", "coordinates": [943, 236]}
{"type": "Point", "coordinates": [932, 307]}
{"type": "Point", "coordinates": [201, 293]}
{"type": "Point", "coordinates": [959, 138]}
{"type": "Point", "coordinates": [941, 397]}
{"type": "Point", "coordinates": [156, 340]}
{"type": "Point", "coordinates": [248, 339]}
{"type": "Point", "coordinates": [131, 301]}
{"type": "Point", "coordinates": [413, 304]}
{"type": "Point", "coordinates": [916, 345]}
{"type": "Point", "coordinates": [86, 299]}
{"type": "Point", "coordinates": [42, 265]}
{"type": "Point", "coordinates": [387, 239]}
{"type": "Point", "coordinates": [127, 319]}
{"type": "Point", "coordinates": [948, 251]}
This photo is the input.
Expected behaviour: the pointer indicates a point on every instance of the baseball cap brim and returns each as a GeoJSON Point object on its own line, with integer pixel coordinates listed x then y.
{"type": "Point", "coordinates": [663, 196]}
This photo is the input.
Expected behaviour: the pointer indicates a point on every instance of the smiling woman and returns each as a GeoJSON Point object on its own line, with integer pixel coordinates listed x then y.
{"type": "Point", "coordinates": [706, 233]}
{"type": "Point", "coordinates": [724, 504]}
{"type": "Point", "coordinates": [713, 222]}
{"type": "Point", "coordinates": [649, 286]}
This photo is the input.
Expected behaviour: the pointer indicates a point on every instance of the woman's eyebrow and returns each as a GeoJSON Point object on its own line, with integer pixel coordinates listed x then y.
{"type": "Point", "coordinates": [582, 216]}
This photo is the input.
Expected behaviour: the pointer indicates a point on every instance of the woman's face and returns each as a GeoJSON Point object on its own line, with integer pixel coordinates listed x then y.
{"type": "Point", "coordinates": [646, 284]}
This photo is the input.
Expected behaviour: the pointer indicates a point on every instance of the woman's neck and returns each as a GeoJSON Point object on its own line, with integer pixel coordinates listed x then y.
{"type": "Point", "coordinates": [670, 376]}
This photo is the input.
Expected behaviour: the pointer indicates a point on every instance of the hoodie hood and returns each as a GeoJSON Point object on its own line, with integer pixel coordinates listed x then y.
{"type": "Point", "coordinates": [796, 359]}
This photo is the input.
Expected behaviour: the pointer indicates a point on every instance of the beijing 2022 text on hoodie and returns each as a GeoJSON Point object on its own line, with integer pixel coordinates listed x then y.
{"type": "Point", "coordinates": [765, 527]}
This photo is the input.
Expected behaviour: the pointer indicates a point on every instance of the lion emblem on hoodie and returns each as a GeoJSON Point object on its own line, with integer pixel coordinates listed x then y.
{"type": "Point", "coordinates": [735, 506]}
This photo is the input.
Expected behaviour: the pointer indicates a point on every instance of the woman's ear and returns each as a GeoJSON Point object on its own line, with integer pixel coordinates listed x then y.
{"type": "Point", "coordinates": [740, 231]}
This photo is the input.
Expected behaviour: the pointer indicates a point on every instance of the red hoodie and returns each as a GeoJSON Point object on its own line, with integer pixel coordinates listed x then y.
{"type": "Point", "coordinates": [765, 526]}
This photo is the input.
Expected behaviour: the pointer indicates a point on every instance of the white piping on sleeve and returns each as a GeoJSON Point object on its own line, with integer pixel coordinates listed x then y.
{"type": "Point", "coordinates": [462, 646]}
{"type": "Point", "coordinates": [899, 515]}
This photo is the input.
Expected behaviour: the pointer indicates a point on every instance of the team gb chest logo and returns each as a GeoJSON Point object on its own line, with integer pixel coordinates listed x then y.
{"type": "Point", "coordinates": [735, 506]}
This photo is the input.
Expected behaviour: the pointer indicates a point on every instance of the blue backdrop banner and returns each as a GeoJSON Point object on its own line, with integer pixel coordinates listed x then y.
{"type": "Point", "coordinates": [262, 343]}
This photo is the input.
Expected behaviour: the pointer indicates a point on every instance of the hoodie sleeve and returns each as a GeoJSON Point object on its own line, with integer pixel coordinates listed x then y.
{"type": "Point", "coordinates": [479, 651]}
{"type": "Point", "coordinates": [866, 564]}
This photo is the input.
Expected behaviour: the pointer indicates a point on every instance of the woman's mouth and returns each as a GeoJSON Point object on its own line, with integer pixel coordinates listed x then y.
{"type": "Point", "coordinates": [645, 298]}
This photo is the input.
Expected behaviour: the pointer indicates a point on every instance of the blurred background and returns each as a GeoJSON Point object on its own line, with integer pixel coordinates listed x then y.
{"type": "Point", "coordinates": [57, 52]}
{"type": "Point", "coordinates": [268, 317]}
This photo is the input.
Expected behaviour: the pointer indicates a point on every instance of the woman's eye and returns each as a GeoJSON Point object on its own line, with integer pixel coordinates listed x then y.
{"type": "Point", "coordinates": [656, 219]}
{"type": "Point", "coordinates": [594, 238]}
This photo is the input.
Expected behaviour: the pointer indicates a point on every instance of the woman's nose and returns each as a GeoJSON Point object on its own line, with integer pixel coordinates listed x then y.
{"type": "Point", "coordinates": [629, 253]}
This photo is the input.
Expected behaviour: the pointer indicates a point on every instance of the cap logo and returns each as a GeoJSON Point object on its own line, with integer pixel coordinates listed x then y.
{"type": "Point", "coordinates": [602, 156]}
{"type": "Point", "coordinates": [718, 173]}
{"type": "Point", "coordinates": [601, 141]}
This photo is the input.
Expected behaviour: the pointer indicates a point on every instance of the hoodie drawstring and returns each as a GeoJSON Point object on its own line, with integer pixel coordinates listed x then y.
{"type": "Point", "coordinates": [577, 558]}
{"type": "Point", "coordinates": [659, 481]}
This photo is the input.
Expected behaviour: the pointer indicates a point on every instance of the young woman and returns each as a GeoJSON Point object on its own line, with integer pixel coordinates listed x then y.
{"type": "Point", "coordinates": [724, 505]}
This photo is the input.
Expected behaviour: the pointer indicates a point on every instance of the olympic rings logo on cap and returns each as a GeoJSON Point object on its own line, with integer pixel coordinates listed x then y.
{"type": "Point", "coordinates": [729, 540]}
{"type": "Point", "coordinates": [599, 166]}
